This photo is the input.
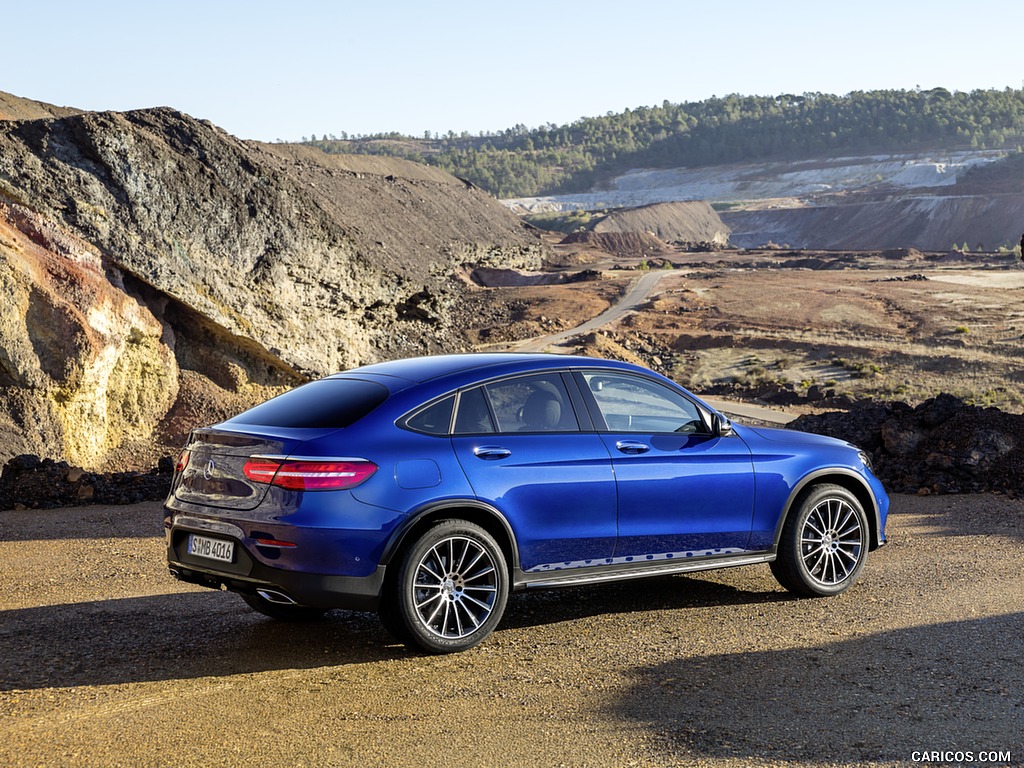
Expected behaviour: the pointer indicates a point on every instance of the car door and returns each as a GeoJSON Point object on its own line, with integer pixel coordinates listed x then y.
{"type": "Point", "coordinates": [520, 444]}
{"type": "Point", "coordinates": [682, 492]}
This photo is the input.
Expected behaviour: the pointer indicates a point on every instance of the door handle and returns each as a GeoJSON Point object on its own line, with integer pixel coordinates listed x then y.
{"type": "Point", "coordinates": [632, 446]}
{"type": "Point", "coordinates": [491, 452]}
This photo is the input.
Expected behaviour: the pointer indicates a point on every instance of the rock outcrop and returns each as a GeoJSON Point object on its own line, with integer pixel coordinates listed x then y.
{"type": "Point", "coordinates": [941, 446]}
{"type": "Point", "coordinates": [160, 273]}
{"type": "Point", "coordinates": [28, 482]}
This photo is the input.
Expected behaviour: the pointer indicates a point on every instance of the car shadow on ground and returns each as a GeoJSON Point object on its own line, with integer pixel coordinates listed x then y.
{"type": "Point", "coordinates": [534, 608]}
{"type": "Point", "coordinates": [953, 686]}
{"type": "Point", "coordinates": [174, 636]}
{"type": "Point", "coordinates": [199, 634]}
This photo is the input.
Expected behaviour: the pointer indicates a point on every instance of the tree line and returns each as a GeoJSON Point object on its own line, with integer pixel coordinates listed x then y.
{"type": "Point", "coordinates": [554, 159]}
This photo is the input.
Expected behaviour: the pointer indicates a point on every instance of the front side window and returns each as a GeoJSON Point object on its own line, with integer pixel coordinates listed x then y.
{"type": "Point", "coordinates": [532, 404]}
{"type": "Point", "coordinates": [634, 404]}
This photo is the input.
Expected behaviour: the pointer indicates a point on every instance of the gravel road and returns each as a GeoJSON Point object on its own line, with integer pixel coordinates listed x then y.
{"type": "Point", "coordinates": [107, 662]}
{"type": "Point", "coordinates": [637, 293]}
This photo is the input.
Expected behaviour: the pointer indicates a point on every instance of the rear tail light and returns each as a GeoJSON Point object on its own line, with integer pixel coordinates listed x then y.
{"type": "Point", "coordinates": [309, 474]}
{"type": "Point", "coordinates": [182, 462]}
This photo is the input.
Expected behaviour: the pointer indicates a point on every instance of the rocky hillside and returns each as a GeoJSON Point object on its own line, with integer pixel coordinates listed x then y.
{"type": "Point", "coordinates": [927, 201]}
{"type": "Point", "coordinates": [160, 273]}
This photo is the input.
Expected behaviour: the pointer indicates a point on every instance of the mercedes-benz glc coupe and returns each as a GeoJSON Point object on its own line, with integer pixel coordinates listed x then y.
{"type": "Point", "coordinates": [431, 488]}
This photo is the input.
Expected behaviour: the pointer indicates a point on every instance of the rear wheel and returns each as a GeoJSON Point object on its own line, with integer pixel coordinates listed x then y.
{"type": "Point", "coordinates": [451, 589]}
{"type": "Point", "coordinates": [282, 611]}
{"type": "Point", "coordinates": [824, 543]}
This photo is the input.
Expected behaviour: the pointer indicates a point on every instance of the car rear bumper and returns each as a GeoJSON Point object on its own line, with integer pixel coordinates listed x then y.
{"type": "Point", "coordinates": [359, 593]}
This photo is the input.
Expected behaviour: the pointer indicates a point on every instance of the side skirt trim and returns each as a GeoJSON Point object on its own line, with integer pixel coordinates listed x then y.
{"type": "Point", "coordinates": [598, 574]}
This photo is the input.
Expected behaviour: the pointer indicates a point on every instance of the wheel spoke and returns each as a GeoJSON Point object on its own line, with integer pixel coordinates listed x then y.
{"type": "Point", "coordinates": [471, 599]}
{"type": "Point", "coordinates": [473, 562]}
{"type": "Point", "coordinates": [424, 567]}
{"type": "Point", "coordinates": [852, 556]}
{"type": "Point", "coordinates": [846, 518]}
{"type": "Point", "coordinates": [430, 619]}
{"type": "Point", "coordinates": [458, 619]}
{"type": "Point", "coordinates": [819, 561]}
{"type": "Point", "coordinates": [428, 601]}
{"type": "Point", "coordinates": [487, 571]}
{"type": "Point", "coordinates": [819, 531]}
{"type": "Point", "coordinates": [469, 613]}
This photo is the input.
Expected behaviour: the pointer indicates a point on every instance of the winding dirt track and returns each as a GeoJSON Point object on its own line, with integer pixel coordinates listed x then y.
{"type": "Point", "coordinates": [636, 295]}
{"type": "Point", "coordinates": [109, 662]}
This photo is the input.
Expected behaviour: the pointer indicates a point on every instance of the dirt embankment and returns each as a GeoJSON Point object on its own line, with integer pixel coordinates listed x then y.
{"type": "Point", "coordinates": [680, 223]}
{"type": "Point", "coordinates": [933, 222]}
{"type": "Point", "coordinates": [17, 108]}
{"type": "Point", "coordinates": [622, 244]}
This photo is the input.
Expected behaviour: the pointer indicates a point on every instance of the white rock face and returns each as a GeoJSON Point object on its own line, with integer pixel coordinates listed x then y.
{"type": "Point", "coordinates": [758, 181]}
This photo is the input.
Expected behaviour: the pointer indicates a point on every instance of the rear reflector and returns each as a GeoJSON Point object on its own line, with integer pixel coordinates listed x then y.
{"type": "Point", "coordinates": [276, 543]}
{"type": "Point", "coordinates": [309, 475]}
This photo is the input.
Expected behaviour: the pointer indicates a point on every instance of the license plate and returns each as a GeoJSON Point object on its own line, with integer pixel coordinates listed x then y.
{"type": "Point", "coordinates": [211, 549]}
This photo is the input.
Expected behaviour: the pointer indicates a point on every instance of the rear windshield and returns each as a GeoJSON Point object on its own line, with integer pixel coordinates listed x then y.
{"type": "Point", "coordinates": [323, 404]}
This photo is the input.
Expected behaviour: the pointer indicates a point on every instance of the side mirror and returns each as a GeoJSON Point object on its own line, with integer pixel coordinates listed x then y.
{"type": "Point", "coordinates": [720, 425]}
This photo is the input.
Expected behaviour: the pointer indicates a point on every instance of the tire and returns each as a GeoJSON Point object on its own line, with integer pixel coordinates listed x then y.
{"type": "Point", "coordinates": [450, 591]}
{"type": "Point", "coordinates": [280, 611]}
{"type": "Point", "coordinates": [824, 543]}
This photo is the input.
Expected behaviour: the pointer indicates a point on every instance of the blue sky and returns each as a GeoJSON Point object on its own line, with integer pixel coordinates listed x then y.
{"type": "Point", "coordinates": [266, 70]}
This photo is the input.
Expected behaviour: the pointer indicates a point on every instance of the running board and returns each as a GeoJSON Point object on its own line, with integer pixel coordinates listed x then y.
{"type": "Point", "coordinates": [603, 573]}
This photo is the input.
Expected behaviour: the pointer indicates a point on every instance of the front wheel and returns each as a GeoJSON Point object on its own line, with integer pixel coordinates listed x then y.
{"type": "Point", "coordinates": [451, 589]}
{"type": "Point", "coordinates": [824, 543]}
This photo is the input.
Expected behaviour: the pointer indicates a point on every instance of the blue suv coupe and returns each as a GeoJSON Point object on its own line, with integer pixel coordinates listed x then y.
{"type": "Point", "coordinates": [429, 489]}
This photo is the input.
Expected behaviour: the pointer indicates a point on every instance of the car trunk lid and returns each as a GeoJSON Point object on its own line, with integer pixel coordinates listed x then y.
{"type": "Point", "coordinates": [211, 471]}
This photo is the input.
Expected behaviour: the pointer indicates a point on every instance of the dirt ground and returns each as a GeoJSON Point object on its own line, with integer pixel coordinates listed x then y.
{"type": "Point", "coordinates": [862, 325]}
{"type": "Point", "coordinates": [110, 662]}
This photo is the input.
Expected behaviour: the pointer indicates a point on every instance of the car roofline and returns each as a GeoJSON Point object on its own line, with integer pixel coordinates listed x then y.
{"type": "Point", "coordinates": [458, 363]}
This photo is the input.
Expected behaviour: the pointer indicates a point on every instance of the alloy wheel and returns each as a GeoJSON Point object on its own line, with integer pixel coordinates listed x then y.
{"type": "Point", "coordinates": [455, 587]}
{"type": "Point", "coordinates": [831, 541]}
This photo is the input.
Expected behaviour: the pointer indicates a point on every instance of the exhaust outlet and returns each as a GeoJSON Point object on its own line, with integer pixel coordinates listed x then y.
{"type": "Point", "coordinates": [273, 596]}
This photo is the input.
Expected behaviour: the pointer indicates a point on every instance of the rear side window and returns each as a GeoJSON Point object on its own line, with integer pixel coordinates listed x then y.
{"type": "Point", "coordinates": [323, 404]}
{"type": "Point", "coordinates": [532, 404]}
{"type": "Point", "coordinates": [435, 419]}
{"type": "Point", "coordinates": [474, 416]}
